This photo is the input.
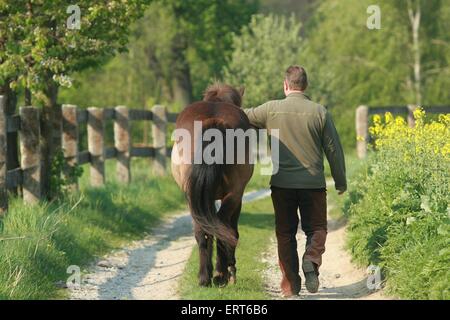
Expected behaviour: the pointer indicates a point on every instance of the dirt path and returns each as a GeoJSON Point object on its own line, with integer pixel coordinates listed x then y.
{"type": "Point", "coordinates": [339, 278]}
{"type": "Point", "coordinates": [147, 269]}
{"type": "Point", "coordinates": [150, 269]}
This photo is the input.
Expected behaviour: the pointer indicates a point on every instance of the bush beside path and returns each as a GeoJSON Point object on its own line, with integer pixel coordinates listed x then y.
{"type": "Point", "coordinates": [398, 206]}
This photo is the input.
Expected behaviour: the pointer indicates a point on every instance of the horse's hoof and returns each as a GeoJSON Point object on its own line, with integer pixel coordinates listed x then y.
{"type": "Point", "coordinates": [220, 280]}
{"type": "Point", "coordinates": [204, 282]}
{"type": "Point", "coordinates": [232, 278]}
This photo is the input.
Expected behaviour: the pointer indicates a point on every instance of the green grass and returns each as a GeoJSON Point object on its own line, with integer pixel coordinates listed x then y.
{"type": "Point", "coordinates": [398, 210]}
{"type": "Point", "coordinates": [256, 226]}
{"type": "Point", "coordinates": [258, 181]}
{"type": "Point", "coordinates": [353, 165]}
{"type": "Point", "coordinates": [40, 241]}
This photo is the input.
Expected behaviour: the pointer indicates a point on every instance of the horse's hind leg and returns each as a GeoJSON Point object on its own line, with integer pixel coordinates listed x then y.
{"type": "Point", "coordinates": [205, 247]}
{"type": "Point", "coordinates": [232, 254]}
{"type": "Point", "coordinates": [226, 260]}
{"type": "Point", "coordinates": [221, 276]}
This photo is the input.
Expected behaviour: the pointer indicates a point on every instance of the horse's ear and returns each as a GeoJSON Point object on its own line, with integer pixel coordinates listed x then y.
{"type": "Point", "coordinates": [242, 91]}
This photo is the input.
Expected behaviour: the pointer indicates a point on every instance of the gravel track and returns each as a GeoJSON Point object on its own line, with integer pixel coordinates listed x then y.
{"type": "Point", "coordinates": [147, 269]}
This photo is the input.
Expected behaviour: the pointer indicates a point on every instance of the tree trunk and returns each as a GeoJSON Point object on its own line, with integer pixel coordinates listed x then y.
{"type": "Point", "coordinates": [51, 119]}
{"type": "Point", "coordinates": [414, 18]}
{"type": "Point", "coordinates": [181, 84]}
{"type": "Point", "coordinates": [12, 156]}
{"type": "Point", "coordinates": [162, 90]}
{"type": "Point", "coordinates": [28, 101]}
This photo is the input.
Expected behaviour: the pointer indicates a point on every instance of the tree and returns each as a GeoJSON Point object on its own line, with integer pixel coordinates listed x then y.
{"type": "Point", "coordinates": [402, 63]}
{"type": "Point", "coordinates": [204, 45]}
{"type": "Point", "coordinates": [303, 9]}
{"type": "Point", "coordinates": [263, 51]}
{"type": "Point", "coordinates": [423, 19]}
{"type": "Point", "coordinates": [175, 50]}
{"type": "Point", "coordinates": [39, 52]}
{"type": "Point", "coordinates": [133, 77]}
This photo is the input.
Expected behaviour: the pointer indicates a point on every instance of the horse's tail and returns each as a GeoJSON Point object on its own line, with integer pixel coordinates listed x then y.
{"type": "Point", "coordinates": [203, 183]}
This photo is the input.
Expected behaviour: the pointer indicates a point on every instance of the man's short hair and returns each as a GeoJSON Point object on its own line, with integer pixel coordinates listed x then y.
{"type": "Point", "coordinates": [296, 78]}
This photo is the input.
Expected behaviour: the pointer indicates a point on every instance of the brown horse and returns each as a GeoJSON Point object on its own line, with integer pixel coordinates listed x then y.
{"type": "Point", "coordinates": [205, 183]}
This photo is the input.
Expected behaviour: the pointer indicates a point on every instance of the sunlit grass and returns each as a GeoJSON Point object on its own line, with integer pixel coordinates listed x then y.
{"type": "Point", "coordinates": [39, 242]}
{"type": "Point", "coordinates": [398, 208]}
{"type": "Point", "coordinates": [256, 226]}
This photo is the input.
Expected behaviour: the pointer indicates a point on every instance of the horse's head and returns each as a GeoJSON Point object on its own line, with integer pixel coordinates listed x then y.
{"type": "Point", "coordinates": [220, 92]}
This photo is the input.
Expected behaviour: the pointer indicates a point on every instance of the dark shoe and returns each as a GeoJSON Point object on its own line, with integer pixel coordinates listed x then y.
{"type": "Point", "coordinates": [311, 276]}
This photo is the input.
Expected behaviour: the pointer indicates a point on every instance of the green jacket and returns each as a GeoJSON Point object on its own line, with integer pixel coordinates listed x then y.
{"type": "Point", "coordinates": [306, 132]}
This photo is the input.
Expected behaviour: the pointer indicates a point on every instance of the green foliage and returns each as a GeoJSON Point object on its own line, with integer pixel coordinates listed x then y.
{"type": "Point", "coordinates": [265, 48]}
{"type": "Point", "coordinates": [212, 37]}
{"type": "Point", "coordinates": [398, 208]}
{"type": "Point", "coordinates": [350, 65]}
{"type": "Point", "coordinates": [135, 78]}
{"type": "Point", "coordinates": [38, 48]}
{"type": "Point", "coordinates": [62, 176]}
{"type": "Point", "coordinates": [39, 242]}
{"type": "Point", "coordinates": [175, 44]}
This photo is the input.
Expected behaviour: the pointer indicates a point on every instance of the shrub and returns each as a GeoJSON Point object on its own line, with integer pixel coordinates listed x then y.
{"type": "Point", "coordinates": [262, 52]}
{"type": "Point", "coordinates": [399, 210]}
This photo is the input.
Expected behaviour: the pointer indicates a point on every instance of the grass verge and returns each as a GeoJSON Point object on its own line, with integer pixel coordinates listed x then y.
{"type": "Point", "coordinates": [337, 202]}
{"type": "Point", "coordinates": [398, 207]}
{"type": "Point", "coordinates": [256, 226]}
{"type": "Point", "coordinates": [39, 242]}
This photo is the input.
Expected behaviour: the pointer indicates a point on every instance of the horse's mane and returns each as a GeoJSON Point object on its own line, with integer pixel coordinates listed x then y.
{"type": "Point", "coordinates": [221, 92]}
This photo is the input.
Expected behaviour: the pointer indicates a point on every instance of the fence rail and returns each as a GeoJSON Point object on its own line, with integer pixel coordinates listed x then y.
{"type": "Point", "coordinates": [362, 121]}
{"type": "Point", "coordinates": [27, 124]}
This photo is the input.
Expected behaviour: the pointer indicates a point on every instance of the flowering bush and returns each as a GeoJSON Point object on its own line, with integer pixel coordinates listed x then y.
{"type": "Point", "coordinates": [399, 210]}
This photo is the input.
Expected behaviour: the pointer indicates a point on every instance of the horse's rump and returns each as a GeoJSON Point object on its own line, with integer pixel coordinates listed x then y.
{"type": "Point", "coordinates": [204, 183]}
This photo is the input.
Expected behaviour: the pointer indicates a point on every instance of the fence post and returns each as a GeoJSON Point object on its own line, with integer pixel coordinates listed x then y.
{"type": "Point", "coordinates": [122, 143]}
{"type": "Point", "coordinates": [96, 130]}
{"type": "Point", "coordinates": [70, 141]}
{"type": "Point", "coordinates": [362, 134]}
{"type": "Point", "coordinates": [159, 139]}
{"type": "Point", "coordinates": [3, 157]}
{"type": "Point", "coordinates": [411, 120]}
{"type": "Point", "coordinates": [30, 154]}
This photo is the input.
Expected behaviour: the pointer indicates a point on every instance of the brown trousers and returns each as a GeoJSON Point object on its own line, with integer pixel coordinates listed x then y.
{"type": "Point", "coordinates": [312, 204]}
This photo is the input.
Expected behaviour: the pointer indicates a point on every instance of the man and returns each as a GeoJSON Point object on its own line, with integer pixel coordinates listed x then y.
{"type": "Point", "coordinates": [306, 131]}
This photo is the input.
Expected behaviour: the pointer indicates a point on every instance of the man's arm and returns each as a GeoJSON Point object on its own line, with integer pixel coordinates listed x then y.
{"type": "Point", "coordinates": [334, 153]}
{"type": "Point", "coordinates": [258, 115]}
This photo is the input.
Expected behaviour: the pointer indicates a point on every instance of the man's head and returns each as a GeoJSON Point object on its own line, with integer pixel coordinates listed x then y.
{"type": "Point", "coordinates": [295, 80]}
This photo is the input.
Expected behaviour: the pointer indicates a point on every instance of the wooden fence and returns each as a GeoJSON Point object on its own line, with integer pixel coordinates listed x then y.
{"type": "Point", "coordinates": [364, 112]}
{"type": "Point", "coordinates": [27, 124]}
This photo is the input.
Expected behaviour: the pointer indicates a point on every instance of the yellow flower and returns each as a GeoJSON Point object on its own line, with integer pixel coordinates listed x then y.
{"type": "Point", "coordinates": [388, 117]}
{"type": "Point", "coordinates": [419, 113]}
{"type": "Point", "coordinates": [399, 121]}
{"type": "Point", "coordinates": [377, 119]}
{"type": "Point", "coordinates": [430, 139]}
